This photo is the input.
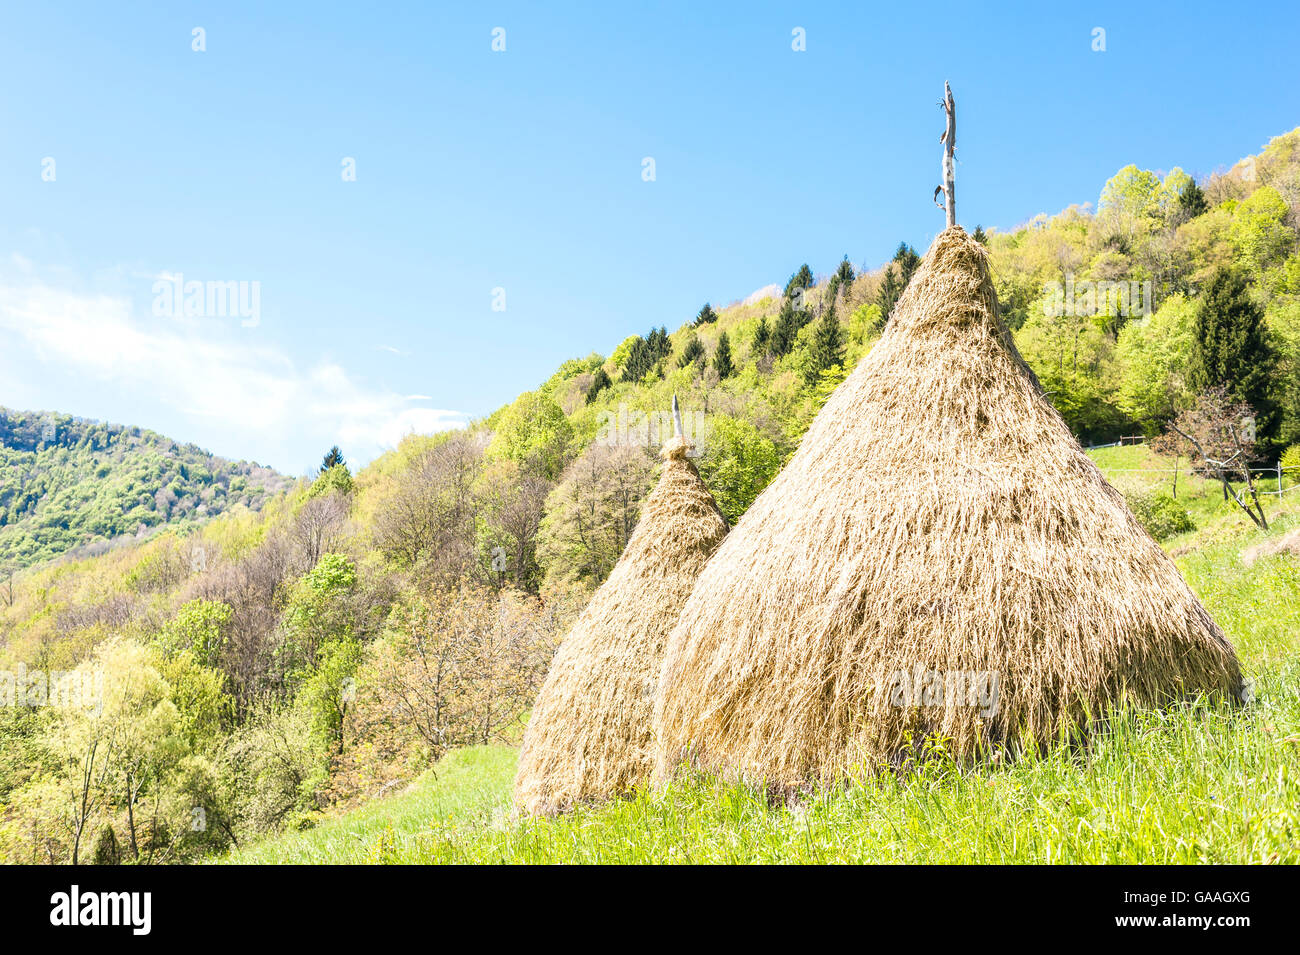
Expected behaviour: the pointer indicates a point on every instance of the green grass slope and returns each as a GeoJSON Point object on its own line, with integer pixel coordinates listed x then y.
{"type": "Point", "coordinates": [469, 789]}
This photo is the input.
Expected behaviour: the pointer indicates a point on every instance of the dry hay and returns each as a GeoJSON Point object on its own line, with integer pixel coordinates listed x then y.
{"type": "Point", "coordinates": [589, 737]}
{"type": "Point", "coordinates": [1288, 543]}
{"type": "Point", "coordinates": [938, 522]}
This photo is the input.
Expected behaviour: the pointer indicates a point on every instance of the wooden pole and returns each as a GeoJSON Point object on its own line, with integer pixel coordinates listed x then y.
{"type": "Point", "coordinates": [677, 418]}
{"type": "Point", "coordinates": [949, 142]}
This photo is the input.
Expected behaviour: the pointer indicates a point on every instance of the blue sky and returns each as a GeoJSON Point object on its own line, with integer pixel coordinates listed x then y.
{"type": "Point", "coordinates": [522, 170]}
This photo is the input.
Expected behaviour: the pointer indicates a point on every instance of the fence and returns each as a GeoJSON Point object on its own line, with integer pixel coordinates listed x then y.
{"type": "Point", "coordinates": [1124, 441]}
{"type": "Point", "coordinates": [1277, 472]}
{"type": "Point", "coordinates": [1129, 439]}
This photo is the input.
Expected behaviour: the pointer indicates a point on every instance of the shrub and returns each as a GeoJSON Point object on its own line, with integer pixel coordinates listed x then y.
{"type": "Point", "coordinates": [1291, 466]}
{"type": "Point", "coordinates": [1160, 514]}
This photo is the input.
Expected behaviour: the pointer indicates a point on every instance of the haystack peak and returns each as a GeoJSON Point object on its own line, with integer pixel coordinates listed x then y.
{"type": "Point", "coordinates": [938, 517]}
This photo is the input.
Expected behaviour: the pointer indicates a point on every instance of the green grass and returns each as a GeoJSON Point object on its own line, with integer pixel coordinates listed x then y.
{"type": "Point", "coordinates": [467, 786]}
{"type": "Point", "coordinates": [1192, 784]}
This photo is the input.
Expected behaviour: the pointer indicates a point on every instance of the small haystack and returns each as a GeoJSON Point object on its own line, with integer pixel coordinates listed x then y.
{"type": "Point", "coordinates": [590, 733]}
{"type": "Point", "coordinates": [1288, 543]}
{"type": "Point", "coordinates": [939, 557]}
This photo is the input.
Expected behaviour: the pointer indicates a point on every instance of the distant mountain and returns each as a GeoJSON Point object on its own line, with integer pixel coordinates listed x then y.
{"type": "Point", "coordinates": [71, 484]}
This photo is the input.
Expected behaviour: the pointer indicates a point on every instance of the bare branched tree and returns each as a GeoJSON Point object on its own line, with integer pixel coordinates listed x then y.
{"type": "Point", "coordinates": [1218, 434]}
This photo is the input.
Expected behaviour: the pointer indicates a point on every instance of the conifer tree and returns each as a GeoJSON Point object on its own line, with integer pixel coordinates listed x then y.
{"type": "Point", "coordinates": [722, 358]}
{"type": "Point", "coordinates": [706, 316]}
{"type": "Point", "coordinates": [693, 351]}
{"type": "Point", "coordinates": [599, 382]}
{"type": "Point", "coordinates": [333, 458]}
{"type": "Point", "coordinates": [897, 274]}
{"type": "Point", "coordinates": [787, 328]}
{"type": "Point", "coordinates": [908, 262]}
{"type": "Point", "coordinates": [1231, 348]}
{"type": "Point", "coordinates": [801, 279]}
{"type": "Point", "coordinates": [1192, 201]}
{"type": "Point", "coordinates": [660, 346]}
{"type": "Point", "coordinates": [762, 336]}
{"type": "Point", "coordinates": [638, 361]}
{"type": "Point", "coordinates": [827, 346]}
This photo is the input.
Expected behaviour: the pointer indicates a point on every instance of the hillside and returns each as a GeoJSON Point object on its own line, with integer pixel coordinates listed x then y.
{"type": "Point", "coordinates": [73, 485]}
{"type": "Point", "coordinates": [1182, 786]}
{"type": "Point", "coordinates": [276, 668]}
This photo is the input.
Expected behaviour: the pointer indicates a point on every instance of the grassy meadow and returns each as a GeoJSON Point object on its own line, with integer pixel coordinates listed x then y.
{"type": "Point", "coordinates": [1193, 784]}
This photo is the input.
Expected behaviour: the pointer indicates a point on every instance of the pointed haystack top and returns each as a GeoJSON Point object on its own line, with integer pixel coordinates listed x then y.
{"type": "Point", "coordinates": [939, 556]}
{"type": "Point", "coordinates": [590, 733]}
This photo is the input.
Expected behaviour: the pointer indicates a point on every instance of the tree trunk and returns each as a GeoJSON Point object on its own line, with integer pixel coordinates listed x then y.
{"type": "Point", "coordinates": [130, 816]}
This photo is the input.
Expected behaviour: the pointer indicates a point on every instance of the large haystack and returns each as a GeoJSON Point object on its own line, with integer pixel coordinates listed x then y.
{"type": "Point", "coordinates": [590, 733]}
{"type": "Point", "coordinates": [939, 557]}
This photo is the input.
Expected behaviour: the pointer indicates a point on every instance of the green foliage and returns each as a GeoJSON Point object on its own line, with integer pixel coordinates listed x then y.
{"type": "Point", "coordinates": [200, 629]}
{"type": "Point", "coordinates": [624, 350]}
{"type": "Point", "coordinates": [1153, 355]}
{"type": "Point", "coordinates": [1133, 201]}
{"type": "Point", "coordinates": [1073, 358]}
{"type": "Point", "coordinates": [1290, 464]}
{"type": "Point", "coordinates": [272, 769]}
{"type": "Point", "coordinates": [864, 322]}
{"type": "Point", "coordinates": [204, 710]}
{"type": "Point", "coordinates": [317, 614]}
{"type": "Point", "coordinates": [534, 433]}
{"type": "Point", "coordinates": [569, 369]}
{"type": "Point", "coordinates": [738, 461]}
{"type": "Point", "coordinates": [1160, 514]}
{"type": "Point", "coordinates": [898, 272]}
{"type": "Point", "coordinates": [1259, 229]}
{"type": "Point", "coordinates": [337, 477]}
{"type": "Point", "coordinates": [467, 784]}
{"type": "Point", "coordinates": [330, 689]}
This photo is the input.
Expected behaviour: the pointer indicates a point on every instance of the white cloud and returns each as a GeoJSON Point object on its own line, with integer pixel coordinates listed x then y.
{"type": "Point", "coordinates": [215, 372]}
{"type": "Point", "coordinates": [418, 421]}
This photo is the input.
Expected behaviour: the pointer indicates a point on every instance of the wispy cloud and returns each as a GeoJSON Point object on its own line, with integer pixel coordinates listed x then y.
{"type": "Point", "coordinates": [223, 377]}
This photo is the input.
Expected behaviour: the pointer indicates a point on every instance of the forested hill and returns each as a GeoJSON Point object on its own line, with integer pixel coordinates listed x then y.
{"type": "Point", "coordinates": [74, 484]}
